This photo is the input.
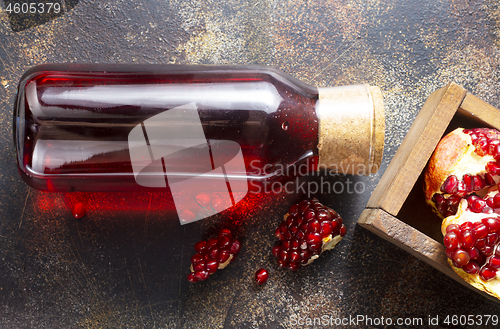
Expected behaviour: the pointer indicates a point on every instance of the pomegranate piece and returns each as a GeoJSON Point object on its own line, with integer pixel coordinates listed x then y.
{"type": "Point", "coordinates": [461, 184]}
{"type": "Point", "coordinates": [465, 161]}
{"type": "Point", "coordinates": [212, 255]}
{"type": "Point", "coordinates": [261, 276]}
{"type": "Point", "coordinates": [308, 229]}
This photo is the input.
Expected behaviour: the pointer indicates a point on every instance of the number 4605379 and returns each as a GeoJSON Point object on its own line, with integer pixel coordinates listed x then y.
{"type": "Point", "coordinates": [33, 8]}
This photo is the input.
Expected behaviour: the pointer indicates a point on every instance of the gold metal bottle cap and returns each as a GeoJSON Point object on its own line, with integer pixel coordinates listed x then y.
{"type": "Point", "coordinates": [351, 129]}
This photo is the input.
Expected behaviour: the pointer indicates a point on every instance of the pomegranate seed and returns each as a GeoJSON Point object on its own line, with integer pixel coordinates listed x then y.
{"type": "Point", "coordinates": [314, 226]}
{"type": "Point", "coordinates": [314, 247]}
{"type": "Point", "coordinates": [199, 266]}
{"type": "Point", "coordinates": [453, 200]}
{"type": "Point", "coordinates": [278, 235]}
{"type": "Point", "coordinates": [496, 201]}
{"type": "Point", "coordinates": [323, 215]}
{"type": "Point", "coordinates": [201, 275]}
{"type": "Point", "coordinates": [192, 278]}
{"type": "Point", "coordinates": [450, 185]}
{"type": "Point", "coordinates": [451, 240]}
{"type": "Point", "coordinates": [460, 257]}
{"type": "Point", "coordinates": [479, 183]}
{"type": "Point", "coordinates": [487, 273]}
{"type": "Point", "coordinates": [261, 276]}
{"type": "Point", "coordinates": [477, 206]}
{"type": "Point", "coordinates": [223, 256]}
{"type": "Point", "coordinates": [212, 253]}
{"type": "Point", "coordinates": [479, 230]}
{"type": "Point", "coordinates": [284, 256]}
{"type": "Point", "coordinates": [196, 259]}
{"type": "Point", "coordinates": [480, 243]}
{"type": "Point", "coordinates": [294, 210]}
{"type": "Point", "coordinates": [492, 145]}
{"type": "Point", "coordinates": [489, 180]}
{"type": "Point", "coordinates": [310, 215]}
{"type": "Point", "coordinates": [467, 226]}
{"type": "Point", "coordinates": [493, 168]}
{"type": "Point", "coordinates": [211, 243]}
{"type": "Point", "coordinates": [305, 254]}
{"type": "Point", "coordinates": [496, 152]}
{"type": "Point", "coordinates": [471, 267]}
{"type": "Point", "coordinates": [303, 206]}
{"type": "Point", "coordinates": [235, 247]}
{"type": "Point", "coordinates": [300, 235]}
{"type": "Point", "coordinates": [343, 230]}
{"type": "Point", "coordinates": [326, 228]}
{"type": "Point", "coordinates": [494, 262]}
{"type": "Point", "coordinates": [225, 233]}
{"type": "Point", "coordinates": [452, 228]}
{"type": "Point", "coordinates": [293, 266]}
{"type": "Point", "coordinates": [200, 247]}
{"type": "Point", "coordinates": [490, 203]}
{"type": "Point", "coordinates": [467, 239]}
{"type": "Point", "coordinates": [461, 189]}
{"type": "Point", "coordinates": [481, 146]}
{"type": "Point", "coordinates": [491, 239]}
{"type": "Point", "coordinates": [314, 238]}
{"type": "Point", "coordinates": [78, 210]}
{"type": "Point", "coordinates": [295, 256]}
{"type": "Point", "coordinates": [223, 242]}
{"type": "Point", "coordinates": [469, 182]}
{"type": "Point", "coordinates": [486, 250]}
{"type": "Point", "coordinates": [449, 253]}
{"type": "Point", "coordinates": [212, 266]}
{"type": "Point", "coordinates": [287, 245]}
{"type": "Point", "coordinates": [473, 253]}
{"type": "Point", "coordinates": [493, 224]}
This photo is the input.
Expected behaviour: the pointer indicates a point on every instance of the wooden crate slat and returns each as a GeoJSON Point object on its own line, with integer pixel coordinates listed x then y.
{"type": "Point", "coordinates": [416, 148]}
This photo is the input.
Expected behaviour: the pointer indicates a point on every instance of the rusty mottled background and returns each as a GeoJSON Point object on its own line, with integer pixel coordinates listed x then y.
{"type": "Point", "coordinates": [128, 271]}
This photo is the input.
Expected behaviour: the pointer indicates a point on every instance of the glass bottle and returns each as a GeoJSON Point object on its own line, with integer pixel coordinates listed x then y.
{"type": "Point", "coordinates": [121, 128]}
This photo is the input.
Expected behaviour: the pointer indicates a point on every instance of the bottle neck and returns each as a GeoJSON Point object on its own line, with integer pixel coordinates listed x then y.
{"type": "Point", "coordinates": [351, 129]}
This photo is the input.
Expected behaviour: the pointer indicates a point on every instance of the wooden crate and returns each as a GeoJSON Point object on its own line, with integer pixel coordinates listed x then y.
{"type": "Point", "coordinates": [397, 210]}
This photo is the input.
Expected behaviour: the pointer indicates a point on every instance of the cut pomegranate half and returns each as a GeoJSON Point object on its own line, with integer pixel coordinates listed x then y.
{"type": "Point", "coordinates": [308, 229]}
{"type": "Point", "coordinates": [461, 184]}
{"type": "Point", "coordinates": [212, 255]}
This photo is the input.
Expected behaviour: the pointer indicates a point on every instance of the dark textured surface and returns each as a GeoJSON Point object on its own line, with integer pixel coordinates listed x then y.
{"type": "Point", "coordinates": [113, 270]}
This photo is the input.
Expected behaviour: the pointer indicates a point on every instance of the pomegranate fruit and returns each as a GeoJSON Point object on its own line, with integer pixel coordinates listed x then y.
{"type": "Point", "coordinates": [465, 161]}
{"type": "Point", "coordinates": [308, 229]}
{"type": "Point", "coordinates": [261, 276]}
{"type": "Point", "coordinates": [472, 241]}
{"type": "Point", "coordinates": [461, 184]}
{"type": "Point", "coordinates": [212, 255]}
